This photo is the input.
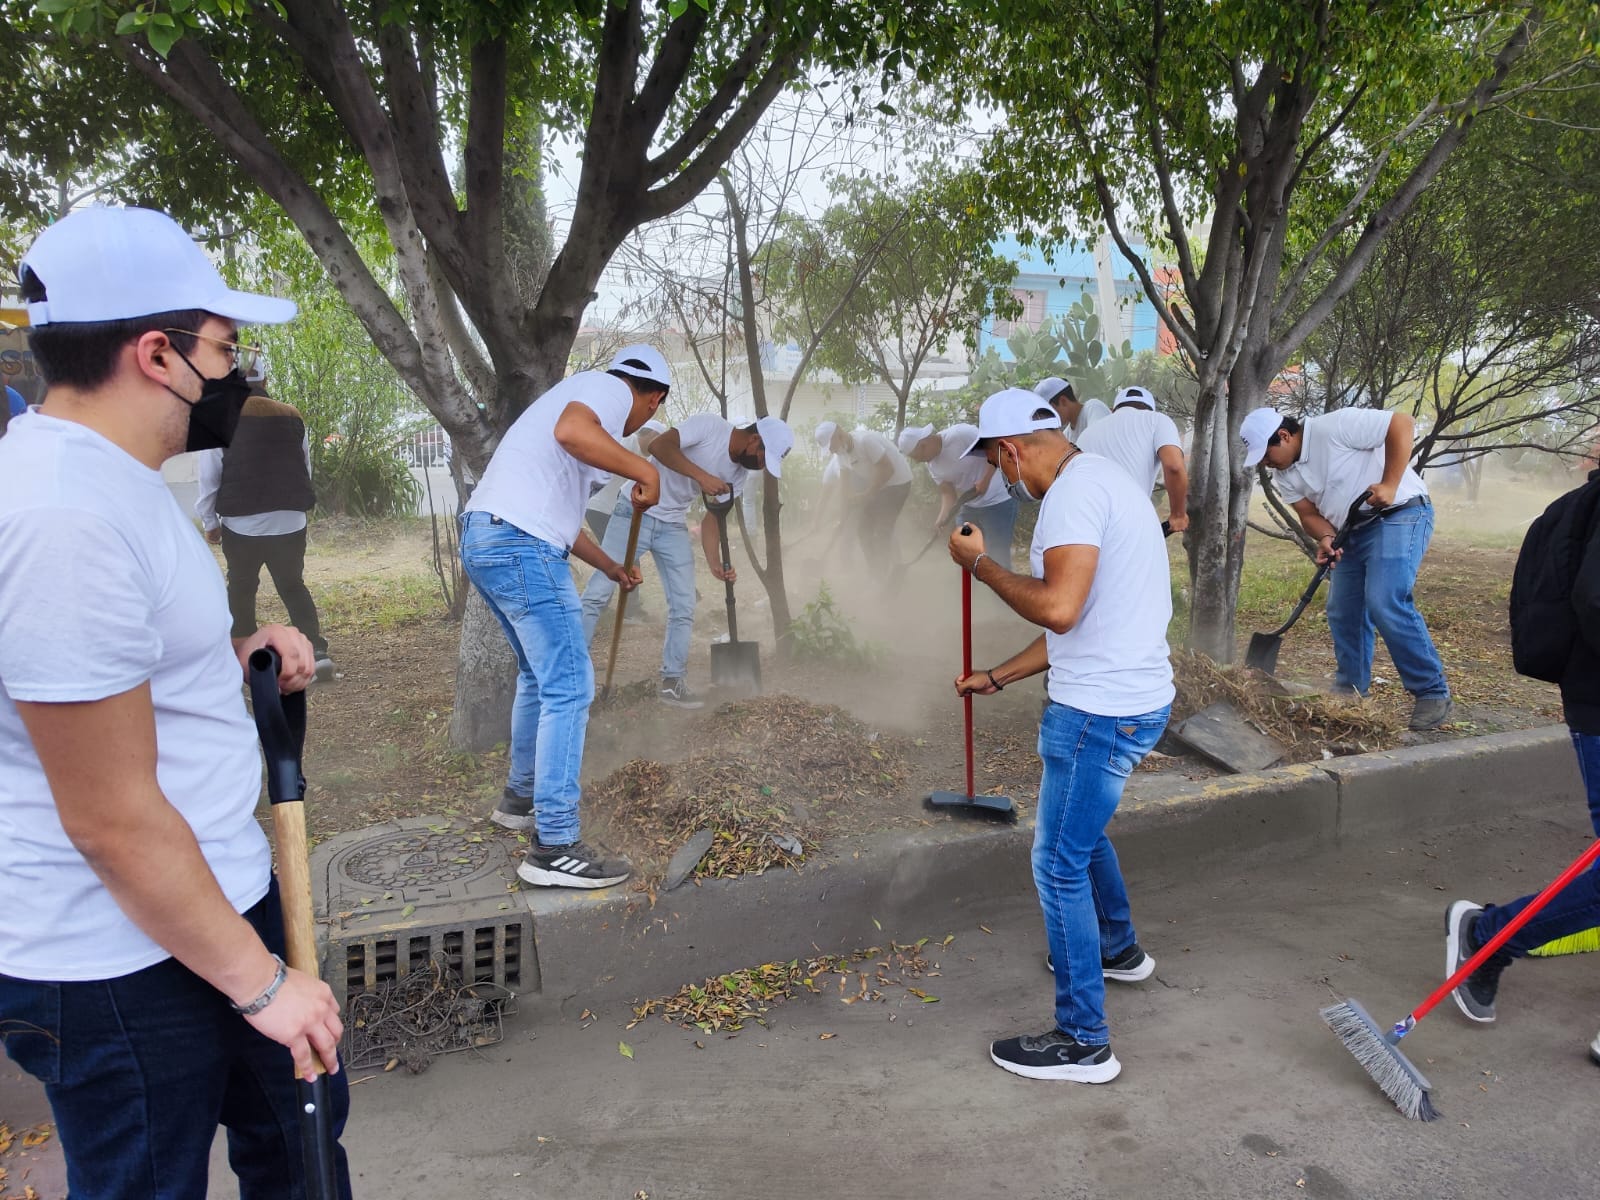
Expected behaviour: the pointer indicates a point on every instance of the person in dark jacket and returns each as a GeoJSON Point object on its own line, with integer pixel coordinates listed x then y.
{"type": "Point", "coordinates": [253, 501]}
{"type": "Point", "coordinates": [1468, 925]}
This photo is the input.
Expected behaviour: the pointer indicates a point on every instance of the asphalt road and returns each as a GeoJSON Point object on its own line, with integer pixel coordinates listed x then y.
{"type": "Point", "coordinates": [1231, 1085]}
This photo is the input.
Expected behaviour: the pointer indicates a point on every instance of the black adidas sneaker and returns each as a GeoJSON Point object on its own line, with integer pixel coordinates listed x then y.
{"type": "Point", "coordinates": [577, 865]}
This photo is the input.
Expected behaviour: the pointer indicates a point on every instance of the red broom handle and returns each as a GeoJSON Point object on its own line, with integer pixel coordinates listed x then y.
{"type": "Point", "coordinates": [966, 666]}
{"type": "Point", "coordinates": [1585, 861]}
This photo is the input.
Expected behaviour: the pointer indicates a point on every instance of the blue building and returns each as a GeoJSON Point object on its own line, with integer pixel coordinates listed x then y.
{"type": "Point", "coordinates": [1048, 287]}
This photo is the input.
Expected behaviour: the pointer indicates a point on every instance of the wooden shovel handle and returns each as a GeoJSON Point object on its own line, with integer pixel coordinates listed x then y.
{"type": "Point", "coordinates": [622, 596]}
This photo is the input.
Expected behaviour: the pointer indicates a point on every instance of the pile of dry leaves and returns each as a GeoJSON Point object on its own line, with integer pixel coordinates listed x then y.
{"type": "Point", "coordinates": [1306, 725]}
{"type": "Point", "coordinates": [773, 772]}
{"type": "Point", "coordinates": [723, 1003]}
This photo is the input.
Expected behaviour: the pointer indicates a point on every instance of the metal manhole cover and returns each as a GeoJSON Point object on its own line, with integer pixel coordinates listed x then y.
{"type": "Point", "coordinates": [406, 860]}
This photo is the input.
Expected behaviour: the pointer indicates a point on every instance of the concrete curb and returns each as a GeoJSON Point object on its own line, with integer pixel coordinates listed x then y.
{"type": "Point", "coordinates": [905, 886]}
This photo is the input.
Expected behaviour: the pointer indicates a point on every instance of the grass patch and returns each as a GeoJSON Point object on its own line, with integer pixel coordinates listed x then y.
{"type": "Point", "coordinates": [380, 603]}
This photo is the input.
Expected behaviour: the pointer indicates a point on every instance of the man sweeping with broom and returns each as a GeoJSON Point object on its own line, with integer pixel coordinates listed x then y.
{"type": "Point", "coordinates": [141, 942]}
{"type": "Point", "coordinates": [1099, 587]}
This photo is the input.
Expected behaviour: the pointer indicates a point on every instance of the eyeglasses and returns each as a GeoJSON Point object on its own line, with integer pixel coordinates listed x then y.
{"type": "Point", "coordinates": [244, 357]}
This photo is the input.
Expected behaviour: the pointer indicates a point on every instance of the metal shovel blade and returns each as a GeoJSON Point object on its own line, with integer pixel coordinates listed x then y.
{"type": "Point", "coordinates": [1263, 652]}
{"type": "Point", "coordinates": [736, 666]}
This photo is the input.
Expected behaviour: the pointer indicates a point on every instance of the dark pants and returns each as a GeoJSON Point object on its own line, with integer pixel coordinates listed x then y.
{"type": "Point", "coordinates": [284, 556]}
{"type": "Point", "coordinates": [876, 530]}
{"type": "Point", "coordinates": [141, 1070]}
{"type": "Point", "coordinates": [1573, 909]}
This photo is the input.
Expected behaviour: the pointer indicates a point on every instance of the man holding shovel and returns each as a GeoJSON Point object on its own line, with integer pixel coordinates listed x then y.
{"type": "Point", "coordinates": [877, 481]}
{"type": "Point", "coordinates": [1098, 585]}
{"type": "Point", "coordinates": [705, 455]}
{"type": "Point", "coordinates": [958, 474]}
{"type": "Point", "coordinates": [524, 519]}
{"type": "Point", "coordinates": [1323, 465]}
{"type": "Point", "coordinates": [141, 938]}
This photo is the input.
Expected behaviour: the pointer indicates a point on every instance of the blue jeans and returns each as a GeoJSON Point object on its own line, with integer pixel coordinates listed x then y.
{"type": "Point", "coordinates": [1087, 760]}
{"type": "Point", "coordinates": [1577, 906]}
{"type": "Point", "coordinates": [668, 543]}
{"type": "Point", "coordinates": [998, 523]}
{"type": "Point", "coordinates": [140, 1071]}
{"type": "Point", "coordinates": [1370, 588]}
{"type": "Point", "coordinates": [527, 584]}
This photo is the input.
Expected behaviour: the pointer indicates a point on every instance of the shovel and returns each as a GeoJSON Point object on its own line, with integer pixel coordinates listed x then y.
{"type": "Point", "coordinates": [622, 603]}
{"type": "Point", "coordinates": [969, 802]}
{"type": "Point", "coordinates": [735, 665]}
{"type": "Point", "coordinates": [281, 723]}
{"type": "Point", "coordinates": [1263, 652]}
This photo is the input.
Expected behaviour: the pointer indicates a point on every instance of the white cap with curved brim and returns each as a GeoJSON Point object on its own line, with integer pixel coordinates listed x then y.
{"type": "Point", "coordinates": [1257, 427]}
{"type": "Point", "coordinates": [777, 439]}
{"type": "Point", "coordinates": [115, 264]}
{"type": "Point", "coordinates": [1011, 413]}
{"type": "Point", "coordinates": [825, 432]}
{"type": "Point", "coordinates": [1050, 387]}
{"type": "Point", "coordinates": [643, 362]}
{"type": "Point", "coordinates": [911, 435]}
{"type": "Point", "coordinates": [1134, 395]}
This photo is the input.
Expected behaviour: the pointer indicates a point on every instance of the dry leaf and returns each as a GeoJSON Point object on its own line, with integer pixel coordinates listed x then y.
{"type": "Point", "coordinates": [985, 928]}
{"type": "Point", "coordinates": [822, 1037]}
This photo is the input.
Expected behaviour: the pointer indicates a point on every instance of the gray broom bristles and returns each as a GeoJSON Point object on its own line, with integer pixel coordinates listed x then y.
{"type": "Point", "coordinates": [1381, 1059]}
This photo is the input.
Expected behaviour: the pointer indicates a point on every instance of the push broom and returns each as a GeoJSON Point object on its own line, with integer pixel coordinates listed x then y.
{"type": "Point", "coordinates": [1379, 1052]}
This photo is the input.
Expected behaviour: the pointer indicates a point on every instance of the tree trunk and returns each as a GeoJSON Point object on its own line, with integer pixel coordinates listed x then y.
{"type": "Point", "coordinates": [777, 592]}
{"type": "Point", "coordinates": [486, 681]}
{"type": "Point", "coordinates": [1217, 529]}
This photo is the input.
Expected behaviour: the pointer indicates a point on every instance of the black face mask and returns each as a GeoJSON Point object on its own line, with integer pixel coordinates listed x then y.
{"type": "Point", "coordinates": [214, 417]}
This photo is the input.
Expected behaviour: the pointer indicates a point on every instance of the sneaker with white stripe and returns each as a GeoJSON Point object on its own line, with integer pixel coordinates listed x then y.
{"type": "Point", "coordinates": [576, 865]}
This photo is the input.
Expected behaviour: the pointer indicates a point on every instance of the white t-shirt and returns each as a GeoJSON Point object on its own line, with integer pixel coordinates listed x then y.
{"type": "Point", "coordinates": [1341, 456]}
{"type": "Point", "coordinates": [531, 480]}
{"type": "Point", "coordinates": [868, 449]}
{"type": "Point", "coordinates": [603, 498]}
{"type": "Point", "coordinates": [1132, 438]}
{"type": "Point", "coordinates": [953, 465]}
{"type": "Point", "coordinates": [1113, 662]}
{"type": "Point", "coordinates": [105, 584]}
{"type": "Point", "coordinates": [1091, 412]}
{"type": "Point", "coordinates": [703, 438]}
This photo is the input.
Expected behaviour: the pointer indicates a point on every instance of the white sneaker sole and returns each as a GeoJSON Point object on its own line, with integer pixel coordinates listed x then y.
{"type": "Point", "coordinates": [511, 821]}
{"type": "Point", "coordinates": [1452, 949]}
{"type": "Point", "coordinates": [1594, 1050]}
{"type": "Point", "coordinates": [689, 704]}
{"type": "Point", "coordinates": [1139, 974]}
{"type": "Point", "coordinates": [539, 877]}
{"type": "Point", "coordinates": [1103, 1072]}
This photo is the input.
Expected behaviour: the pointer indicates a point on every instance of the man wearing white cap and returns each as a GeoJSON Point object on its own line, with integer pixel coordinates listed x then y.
{"type": "Point", "coordinates": [705, 455]}
{"type": "Point", "coordinates": [141, 977]}
{"type": "Point", "coordinates": [877, 479]}
{"type": "Point", "coordinates": [524, 519]}
{"type": "Point", "coordinates": [1145, 444]}
{"type": "Point", "coordinates": [1322, 465]}
{"type": "Point", "coordinates": [964, 481]}
{"type": "Point", "coordinates": [1099, 587]}
{"type": "Point", "coordinates": [1076, 415]}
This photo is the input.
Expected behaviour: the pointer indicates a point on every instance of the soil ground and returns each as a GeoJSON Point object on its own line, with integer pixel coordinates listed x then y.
{"type": "Point", "coordinates": [379, 745]}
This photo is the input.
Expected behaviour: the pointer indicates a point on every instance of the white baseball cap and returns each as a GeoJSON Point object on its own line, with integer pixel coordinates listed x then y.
{"type": "Point", "coordinates": [1255, 429]}
{"type": "Point", "coordinates": [1013, 412]}
{"type": "Point", "coordinates": [114, 264]}
{"type": "Point", "coordinates": [825, 432]}
{"type": "Point", "coordinates": [642, 362]}
{"type": "Point", "coordinates": [1134, 395]}
{"type": "Point", "coordinates": [1049, 388]}
{"type": "Point", "coordinates": [777, 439]}
{"type": "Point", "coordinates": [911, 435]}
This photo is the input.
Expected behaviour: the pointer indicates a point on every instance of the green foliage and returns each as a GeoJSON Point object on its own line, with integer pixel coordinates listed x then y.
{"type": "Point", "coordinates": [820, 633]}
{"type": "Point", "coordinates": [355, 407]}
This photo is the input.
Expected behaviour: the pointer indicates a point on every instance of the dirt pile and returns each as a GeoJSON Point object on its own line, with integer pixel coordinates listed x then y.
{"type": "Point", "coordinates": [1307, 725]}
{"type": "Point", "coordinates": [776, 774]}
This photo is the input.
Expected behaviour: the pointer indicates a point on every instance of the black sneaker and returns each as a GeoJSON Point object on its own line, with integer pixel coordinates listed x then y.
{"type": "Point", "coordinates": [676, 693]}
{"type": "Point", "coordinates": [1474, 996]}
{"type": "Point", "coordinates": [1055, 1055]}
{"type": "Point", "coordinates": [1131, 966]}
{"type": "Point", "coordinates": [514, 812]}
{"type": "Point", "coordinates": [576, 865]}
{"type": "Point", "coordinates": [325, 668]}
